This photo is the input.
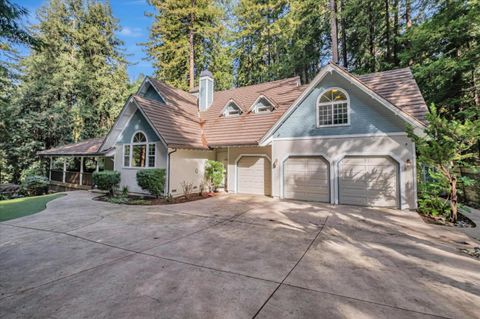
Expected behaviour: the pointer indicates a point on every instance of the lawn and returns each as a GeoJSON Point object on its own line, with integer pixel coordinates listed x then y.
{"type": "Point", "coordinates": [19, 207]}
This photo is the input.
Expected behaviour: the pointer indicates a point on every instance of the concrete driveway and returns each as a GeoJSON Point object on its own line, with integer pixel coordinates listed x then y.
{"type": "Point", "coordinates": [232, 257]}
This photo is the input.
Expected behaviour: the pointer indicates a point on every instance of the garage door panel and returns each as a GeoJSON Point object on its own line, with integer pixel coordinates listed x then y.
{"type": "Point", "coordinates": [254, 175]}
{"type": "Point", "coordinates": [306, 178]}
{"type": "Point", "coordinates": [368, 181]}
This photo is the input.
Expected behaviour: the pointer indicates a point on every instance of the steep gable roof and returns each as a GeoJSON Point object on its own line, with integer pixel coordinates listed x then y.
{"type": "Point", "coordinates": [399, 88]}
{"type": "Point", "coordinates": [177, 126]}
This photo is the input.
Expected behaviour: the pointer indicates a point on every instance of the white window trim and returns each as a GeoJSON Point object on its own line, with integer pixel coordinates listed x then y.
{"type": "Point", "coordinates": [147, 143]}
{"type": "Point", "coordinates": [318, 104]}
{"type": "Point", "coordinates": [224, 110]}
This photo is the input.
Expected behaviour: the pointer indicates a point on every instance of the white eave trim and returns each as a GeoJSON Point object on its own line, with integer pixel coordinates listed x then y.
{"type": "Point", "coordinates": [147, 80]}
{"type": "Point", "coordinates": [329, 69]}
{"type": "Point", "coordinates": [151, 124]}
{"type": "Point", "coordinates": [262, 96]}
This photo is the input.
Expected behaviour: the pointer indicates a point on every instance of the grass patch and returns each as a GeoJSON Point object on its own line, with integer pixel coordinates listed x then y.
{"type": "Point", "coordinates": [19, 207]}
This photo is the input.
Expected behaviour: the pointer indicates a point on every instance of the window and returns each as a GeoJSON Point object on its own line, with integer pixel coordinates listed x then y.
{"type": "Point", "coordinates": [126, 155]}
{"type": "Point", "coordinates": [333, 108]}
{"type": "Point", "coordinates": [139, 153]}
{"type": "Point", "coordinates": [231, 109]}
{"type": "Point", "coordinates": [262, 105]}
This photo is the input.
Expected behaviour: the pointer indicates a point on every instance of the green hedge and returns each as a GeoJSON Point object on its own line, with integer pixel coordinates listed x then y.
{"type": "Point", "coordinates": [106, 180]}
{"type": "Point", "coordinates": [152, 180]}
{"type": "Point", "coordinates": [35, 185]}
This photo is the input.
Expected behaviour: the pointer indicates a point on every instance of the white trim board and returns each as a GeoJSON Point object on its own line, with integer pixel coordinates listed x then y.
{"type": "Point", "coordinates": [323, 137]}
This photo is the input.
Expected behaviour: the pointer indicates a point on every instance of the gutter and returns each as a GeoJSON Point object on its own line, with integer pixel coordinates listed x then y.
{"type": "Point", "coordinates": [167, 189]}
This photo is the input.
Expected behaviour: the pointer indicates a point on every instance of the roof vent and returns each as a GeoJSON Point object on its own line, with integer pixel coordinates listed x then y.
{"type": "Point", "coordinates": [206, 87]}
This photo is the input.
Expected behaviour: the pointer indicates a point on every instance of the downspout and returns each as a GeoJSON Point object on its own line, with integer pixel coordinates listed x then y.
{"type": "Point", "coordinates": [168, 171]}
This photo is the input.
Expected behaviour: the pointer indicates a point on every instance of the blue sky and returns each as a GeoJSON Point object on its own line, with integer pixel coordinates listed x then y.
{"type": "Point", "coordinates": [133, 21]}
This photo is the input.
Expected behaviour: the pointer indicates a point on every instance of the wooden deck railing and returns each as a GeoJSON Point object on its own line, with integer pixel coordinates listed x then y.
{"type": "Point", "coordinates": [71, 177]}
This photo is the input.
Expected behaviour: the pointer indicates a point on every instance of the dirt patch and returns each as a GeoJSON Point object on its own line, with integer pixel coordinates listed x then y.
{"type": "Point", "coordinates": [142, 200]}
{"type": "Point", "coordinates": [463, 221]}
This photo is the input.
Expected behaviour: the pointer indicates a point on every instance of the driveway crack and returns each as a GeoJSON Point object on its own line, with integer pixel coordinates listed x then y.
{"type": "Point", "coordinates": [291, 270]}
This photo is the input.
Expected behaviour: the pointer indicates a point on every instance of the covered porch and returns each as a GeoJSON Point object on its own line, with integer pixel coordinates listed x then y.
{"type": "Point", "coordinates": [72, 166]}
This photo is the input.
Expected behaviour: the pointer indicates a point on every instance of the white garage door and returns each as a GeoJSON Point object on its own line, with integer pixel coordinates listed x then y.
{"type": "Point", "coordinates": [254, 175]}
{"type": "Point", "coordinates": [368, 181]}
{"type": "Point", "coordinates": [306, 178]}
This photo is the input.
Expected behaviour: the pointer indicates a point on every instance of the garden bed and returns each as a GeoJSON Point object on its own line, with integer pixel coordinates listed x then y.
{"type": "Point", "coordinates": [143, 200]}
{"type": "Point", "coordinates": [463, 221]}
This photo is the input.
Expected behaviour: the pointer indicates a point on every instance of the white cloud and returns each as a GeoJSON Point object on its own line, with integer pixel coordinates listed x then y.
{"type": "Point", "coordinates": [131, 32]}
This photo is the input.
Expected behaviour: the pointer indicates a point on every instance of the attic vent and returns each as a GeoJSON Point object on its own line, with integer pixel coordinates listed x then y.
{"type": "Point", "coordinates": [231, 109]}
{"type": "Point", "coordinates": [262, 105]}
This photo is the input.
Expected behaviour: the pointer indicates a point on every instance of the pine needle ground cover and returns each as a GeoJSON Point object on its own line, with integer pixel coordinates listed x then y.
{"type": "Point", "coordinates": [19, 207]}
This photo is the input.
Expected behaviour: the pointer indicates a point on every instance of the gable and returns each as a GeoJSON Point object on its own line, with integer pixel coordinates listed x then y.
{"type": "Point", "coordinates": [152, 94]}
{"type": "Point", "coordinates": [367, 115]}
{"type": "Point", "coordinates": [137, 123]}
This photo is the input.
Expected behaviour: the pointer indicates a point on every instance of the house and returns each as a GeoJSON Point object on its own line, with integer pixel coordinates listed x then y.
{"type": "Point", "coordinates": [341, 139]}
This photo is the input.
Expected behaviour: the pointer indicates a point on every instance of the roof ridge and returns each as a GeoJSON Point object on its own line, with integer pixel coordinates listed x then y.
{"type": "Point", "coordinates": [258, 84]}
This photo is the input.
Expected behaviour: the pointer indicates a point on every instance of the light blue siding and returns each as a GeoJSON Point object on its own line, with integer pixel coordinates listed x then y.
{"type": "Point", "coordinates": [366, 114]}
{"type": "Point", "coordinates": [137, 123]}
{"type": "Point", "coordinates": [152, 94]}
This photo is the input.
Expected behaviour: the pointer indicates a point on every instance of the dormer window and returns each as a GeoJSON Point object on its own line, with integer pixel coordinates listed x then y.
{"type": "Point", "coordinates": [333, 108]}
{"type": "Point", "coordinates": [231, 109]}
{"type": "Point", "coordinates": [262, 105]}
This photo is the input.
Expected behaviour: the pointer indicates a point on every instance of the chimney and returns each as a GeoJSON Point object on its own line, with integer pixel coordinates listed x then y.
{"type": "Point", "coordinates": [206, 87]}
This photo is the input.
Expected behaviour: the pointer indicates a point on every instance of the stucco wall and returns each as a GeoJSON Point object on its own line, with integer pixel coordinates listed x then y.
{"type": "Point", "coordinates": [234, 154]}
{"type": "Point", "coordinates": [366, 114]}
{"type": "Point", "coordinates": [399, 147]}
{"type": "Point", "coordinates": [189, 166]}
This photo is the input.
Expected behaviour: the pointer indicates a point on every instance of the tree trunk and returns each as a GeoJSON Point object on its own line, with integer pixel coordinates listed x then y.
{"type": "Point", "coordinates": [191, 62]}
{"type": "Point", "coordinates": [333, 30]}
{"type": "Point", "coordinates": [344, 34]}
{"type": "Point", "coordinates": [371, 37]}
{"type": "Point", "coordinates": [476, 87]}
{"type": "Point", "coordinates": [387, 29]}
{"type": "Point", "coordinates": [408, 14]}
{"type": "Point", "coordinates": [395, 33]}
{"type": "Point", "coordinates": [453, 199]}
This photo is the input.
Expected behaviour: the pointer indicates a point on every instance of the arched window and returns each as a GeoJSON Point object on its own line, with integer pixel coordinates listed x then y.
{"type": "Point", "coordinates": [333, 108]}
{"type": "Point", "coordinates": [139, 153]}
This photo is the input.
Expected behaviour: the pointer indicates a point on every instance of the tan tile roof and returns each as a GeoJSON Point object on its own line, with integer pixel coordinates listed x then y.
{"type": "Point", "coordinates": [86, 147]}
{"type": "Point", "coordinates": [179, 124]}
{"type": "Point", "coordinates": [179, 128]}
{"type": "Point", "coordinates": [248, 128]}
{"type": "Point", "coordinates": [399, 88]}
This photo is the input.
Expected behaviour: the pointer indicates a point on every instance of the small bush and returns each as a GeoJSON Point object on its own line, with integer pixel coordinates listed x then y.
{"type": "Point", "coordinates": [35, 185]}
{"type": "Point", "coordinates": [187, 189]}
{"type": "Point", "coordinates": [152, 180]}
{"type": "Point", "coordinates": [35, 169]}
{"type": "Point", "coordinates": [107, 180]}
{"type": "Point", "coordinates": [214, 172]}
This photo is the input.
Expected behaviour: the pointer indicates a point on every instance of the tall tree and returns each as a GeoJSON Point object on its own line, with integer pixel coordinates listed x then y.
{"type": "Point", "coordinates": [71, 86]}
{"type": "Point", "coordinates": [333, 30]}
{"type": "Point", "coordinates": [186, 37]}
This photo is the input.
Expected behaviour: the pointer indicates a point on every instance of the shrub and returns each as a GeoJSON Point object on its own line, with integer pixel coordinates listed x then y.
{"type": "Point", "coordinates": [106, 180]}
{"type": "Point", "coordinates": [35, 185]}
{"type": "Point", "coordinates": [187, 188]}
{"type": "Point", "coordinates": [152, 180]}
{"type": "Point", "coordinates": [35, 169]}
{"type": "Point", "coordinates": [214, 172]}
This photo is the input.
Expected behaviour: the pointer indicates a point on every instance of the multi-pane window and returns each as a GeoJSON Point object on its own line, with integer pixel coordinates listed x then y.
{"type": "Point", "coordinates": [332, 108]}
{"type": "Point", "coordinates": [126, 155]}
{"type": "Point", "coordinates": [151, 155]}
{"type": "Point", "coordinates": [139, 153]}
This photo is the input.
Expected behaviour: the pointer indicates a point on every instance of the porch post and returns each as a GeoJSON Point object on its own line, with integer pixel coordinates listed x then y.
{"type": "Point", "coordinates": [64, 169]}
{"type": "Point", "coordinates": [96, 167]}
{"type": "Point", "coordinates": [50, 171]}
{"type": "Point", "coordinates": [81, 170]}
